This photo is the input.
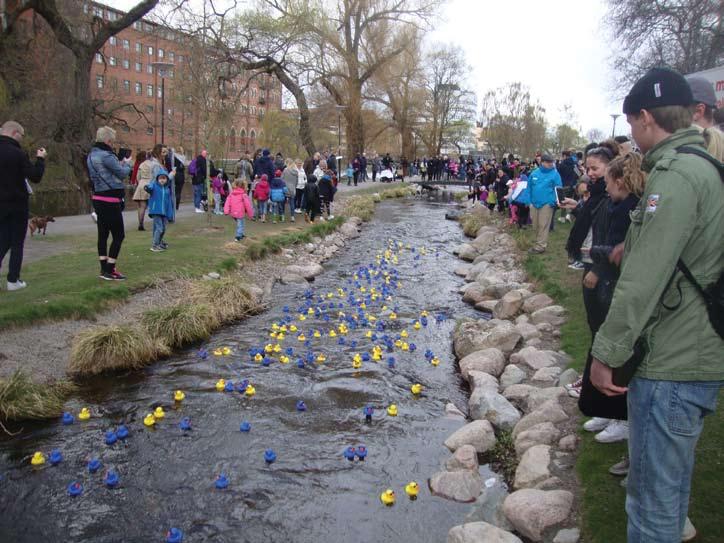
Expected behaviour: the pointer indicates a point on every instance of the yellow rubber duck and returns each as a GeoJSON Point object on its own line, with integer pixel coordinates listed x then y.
{"type": "Point", "coordinates": [158, 413]}
{"type": "Point", "coordinates": [368, 334]}
{"type": "Point", "coordinates": [277, 348]}
{"type": "Point", "coordinates": [258, 357]}
{"type": "Point", "coordinates": [371, 318]}
{"type": "Point", "coordinates": [179, 396]}
{"type": "Point", "coordinates": [310, 311]}
{"type": "Point", "coordinates": [357, 358]}
{"type": "Point", "coordinates": [149, 420]}
{"type": "Point", "coordinates": [398, 343]}
{"type": "Point", "coordinates": [405, 346]}
{"type": "Point", "coordinates": [332, 333]}
{"type": "Point", "coordinates": [417, 325]}
{"type": "Point", "coordinates": [317, 334]}
{"type": "Point", "coordinates": [38, 459]}
{"type": "Point", "coordinates": [388, 497]}
{"type": "Point", "coordinates": [356, 364]}
{"type": "Point", "coordinates": [268, 348]}
{"type": "Point", "coordinates": [435, 361]}
{"type": "Point", "coordinates": [321, 358]}
{"type": "Point", "coordinates": [273, 335]}
{"type": "Point", "coordinates": [424, 314]}
{"type": "Point", "coordinates": [84, 414]}
{"type": "Point", "coordinates": [330, 295]}
{"type": "Point", "coordinates": [217, 352]}
{"type": "Point", "coordinates": [404, 333]}
{"type": "Point", "coordinates": [226, 351]}
{"type": "Point", "coordinates": [302, 337]}
{"type": "Point", "coordinates": [362, 289]}
{"type": "Point", "coordinates": [292, 328]}
{"type": "Point", "coordinates": [275, 326]}
{"type": "Point", "coordinates": [341, 314]}
{"type": "Point", "coordinates": [302, 317]}
{"type": "Point", "coordinates": [393, 316]}
{"type": "Point", "coordinates": [284, 359]}
{"type": "Point", "coordinates": [283, 328]}
{"type": "Point", "coordinates": [220, 384]}
{"type": "Point", "coordinates": [392, 410]}
{"type": "Point", "coordinates": [250, 390]}
{"type": "Point", "coordinates": [416, 389]}
{"type": "Point", "coordinates": [412, 489]}
{"type": "Point", "coordinates": [280, 336]}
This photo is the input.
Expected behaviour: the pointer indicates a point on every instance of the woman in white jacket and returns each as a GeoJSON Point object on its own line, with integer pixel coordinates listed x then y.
{"type": "Point", "coordinates": [301, 183]}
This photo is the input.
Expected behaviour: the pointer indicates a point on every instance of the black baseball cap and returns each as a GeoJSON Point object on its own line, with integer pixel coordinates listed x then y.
{"type": "Point", "coordinates": [702, 90]}
{"type": "Point", "coordinates": [659, 87]}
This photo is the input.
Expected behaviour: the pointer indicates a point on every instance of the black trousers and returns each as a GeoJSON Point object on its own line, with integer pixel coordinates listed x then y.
{"type": "Point", "coordinates": [110, 222]}
{"type": "Point", "coordinates": [523, 214]}
{"type": "Point", "coordinates": [13, 227]}
{"type": "Point", "coordinates": [179, 189]}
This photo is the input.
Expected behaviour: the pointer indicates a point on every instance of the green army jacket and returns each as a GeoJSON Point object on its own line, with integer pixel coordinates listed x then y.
{"type": "Point", "coordinates": [680, 215]}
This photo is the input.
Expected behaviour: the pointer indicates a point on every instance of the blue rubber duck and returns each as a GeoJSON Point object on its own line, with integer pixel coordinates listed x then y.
{"type": "Point", "coordinates": [270, 456]}
{"type": "Point", "coordinates": [289, 351]}
{"type": "Point", "coordinates": [368, 411]}
{"type": "Point", "coordinates": [75, 489]}
{"type": "Point", "coordinates": [55, 458]}
{"type": "Point", "coordinates": [365, 357]}
{"type": "Point", "coordinates": [229, 386]}
{"type": "Point", "coordinates": [111, 479]}
{"type": "Point", "coordinates": [266, 362]}
{"type": "Point", "coordinates": [349, 453]}
{"type": "Point", "coordinates": [300, 363]}
{"type": "Point", "coordinates": [413, 347]}
{"type": "Point", "coordinates": [68, 419]}
{"type": "Point", "coordinates": [222, 482]}
{"type": "Point", "coordinates": [94, 465]}
{"type": "Point", "coordinates": [185, 424]}
{"type": "Point", "coordinates": [122, 432]}
{"type": "Point", "coordinates": [301, 406]}
{"type": "Point", "coordinates": [174, 535]}
{"type": "Point", "coordinates": [245, 427]}
{"type": "Point", "coordinates": [390, 361]}
{"type": "Point", "coordinates": [203, 354]}
{"type": "Point", "coordinates": [341, 341]}
{"type": "Point", "coordinates": [111, 437]}
{"type": "Point", "coordinates": [361, 452]}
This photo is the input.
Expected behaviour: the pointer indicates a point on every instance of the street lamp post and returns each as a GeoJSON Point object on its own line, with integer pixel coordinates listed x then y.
{"type": "Point", "coordinates": [162, 70]}
{"type": "Point", "coordinates": [339, 109]}
{"type": "Point", "coordinates": [614, 116]}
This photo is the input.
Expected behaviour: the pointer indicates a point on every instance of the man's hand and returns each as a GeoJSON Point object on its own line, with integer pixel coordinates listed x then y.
{"type": "Point", "coordinates": [602, 379]}
{"type": "Point", "coordinates": [41, 152]}
{"type": "Point", "coordinates": [568, 203]}
{"type": "Point", "coordinates": [616, 255]}
{"type": "Point", "coordinates": [590, 280]}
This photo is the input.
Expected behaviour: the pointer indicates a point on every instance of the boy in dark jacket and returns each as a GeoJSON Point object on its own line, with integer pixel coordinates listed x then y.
{"type": "Point", "coordinates": [326, 195]}
{"type": "Point", "coordinates": [311, 197]}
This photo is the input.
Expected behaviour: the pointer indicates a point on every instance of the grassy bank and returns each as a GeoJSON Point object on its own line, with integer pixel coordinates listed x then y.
{"type": "Point", "coordinates": [604, 518]}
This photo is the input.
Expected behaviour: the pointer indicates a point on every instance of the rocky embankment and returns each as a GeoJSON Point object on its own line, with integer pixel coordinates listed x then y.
{"type": "Point", "coordinates": [516, 373]}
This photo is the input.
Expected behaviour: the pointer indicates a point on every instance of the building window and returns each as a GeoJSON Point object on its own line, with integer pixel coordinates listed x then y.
{"type": "Point", "coordinates": [125, 128]}
{"type": "Point", "coordinates": [139, 66]}
{"type": "Point", "coordinates": [149, 130]}
{"type": "Point", "coordinates": [137, 25]}
{"type": "Point", "coordinates": [126, 86]}
{"type": "Point", "coordinates": [112, 40]}
{"type": "Point", "coordinates": [99, 81]}
{"type": "Point", "coordinates": [169, 73]}
{"type": "Point", "coordinates": [149, 68]}
{"type": "Point", "coordinates": [114, 83]}
{"type": "Point", "coordinates": [149, 109]}
{"type": "Point", "coordinates": [99, 58]}
{"type": "Point", "coordinates": [112, 61]}
{"type": "Point", "coordinates": [149, 91]}
{"type": "Point", "coordinates": [126, 45]}
{"type": "Point", "coordinates": [158, 91]}
{"type": "Point", "coordinates": [160, 53]}
{"type": "Point", "coordinates": [171, 56]}
{"type": "Point", "coordinates": [98, 12]}
{"type": "Point", "coordinates": [86, 9]}
{"type": "Point", "coordinates": [139, 89]}
{"type": "Point", "coordinates": [139, 47]}
{"type": "Point", "coordinates": [126, 64]}
{"type": "Point", "coordinates": [180, 58]}
{"type": "Point", "coordinates": [149, 49]}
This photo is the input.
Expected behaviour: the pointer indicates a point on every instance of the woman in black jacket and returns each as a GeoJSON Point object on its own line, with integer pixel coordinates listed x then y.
{"type": "Point", "coordinates": [326, 195]}
{"type": "Point", "coordinates": [311, 199]}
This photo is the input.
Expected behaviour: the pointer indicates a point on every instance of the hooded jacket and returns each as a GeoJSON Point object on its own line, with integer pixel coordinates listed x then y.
{"type": "Point", "coordinates": [261, 191]}
{"type": "Point", "coordinates": [680, 215]}
{"type": "Point", "coordinates": [238, 204]}
{"type": "Point", "coordinates": [326, 189]}
{"type": "Point", "coordinates": [264, 165]}
{"type": "Point", "coordinates": [278, 190]}
{"type": "Point", "coordinates": [311, 192]}
{"type": "Point", "coordinates": [290, 177]}
{"type": "Point", "coordinates": [160, 203]}
{"type": "Point", "coordinates": [106, 172]}
{"type": "Point", "coordinates": [542, 183]}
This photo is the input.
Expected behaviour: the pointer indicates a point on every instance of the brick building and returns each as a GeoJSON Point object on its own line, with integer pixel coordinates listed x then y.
{"type": "Point", "coordinates": [126, 72]}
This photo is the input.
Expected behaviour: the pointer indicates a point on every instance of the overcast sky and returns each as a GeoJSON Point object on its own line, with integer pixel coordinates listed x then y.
{"type": "Point", "coordinates": [558, 48]}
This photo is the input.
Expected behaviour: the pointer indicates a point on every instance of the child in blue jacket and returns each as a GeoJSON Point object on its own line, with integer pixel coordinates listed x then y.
{"type": "Point", "coordinates": [278, 194]}
{"type": "Point", "coordinates": [160, 208]}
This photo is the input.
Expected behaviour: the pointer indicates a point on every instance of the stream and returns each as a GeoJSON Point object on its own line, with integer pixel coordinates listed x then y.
{"type": "Point", "coordinates": [311, 493]}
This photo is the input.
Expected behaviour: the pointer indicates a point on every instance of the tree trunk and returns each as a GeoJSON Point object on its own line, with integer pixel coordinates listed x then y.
{"type": "Point", "coordinates": [408, 147]}
{"type": "Point", "coordinates": [305, 127]}
{"type": "Point", "coordinates": [354, 121]}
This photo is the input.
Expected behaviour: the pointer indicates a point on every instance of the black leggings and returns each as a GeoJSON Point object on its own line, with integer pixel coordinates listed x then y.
{"type": "Point", "coordinates": [110, 221]}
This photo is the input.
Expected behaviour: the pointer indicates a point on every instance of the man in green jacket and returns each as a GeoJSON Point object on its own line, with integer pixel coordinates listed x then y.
{"type": "Point", "coordinates": [680, 216]}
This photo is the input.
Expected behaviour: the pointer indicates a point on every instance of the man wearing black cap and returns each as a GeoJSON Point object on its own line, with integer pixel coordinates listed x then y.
{"type": "Point", "coordinates": [680, 219]}
{"type": "Point", "coordinates": [703, 110]}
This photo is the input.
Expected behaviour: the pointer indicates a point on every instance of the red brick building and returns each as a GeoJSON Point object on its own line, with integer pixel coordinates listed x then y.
{"type": "Point", "coordinates": [125, 73]}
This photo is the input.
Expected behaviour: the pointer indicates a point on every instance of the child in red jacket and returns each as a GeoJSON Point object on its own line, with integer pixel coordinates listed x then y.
{"type": "Point", "coordinates": [261, 195]}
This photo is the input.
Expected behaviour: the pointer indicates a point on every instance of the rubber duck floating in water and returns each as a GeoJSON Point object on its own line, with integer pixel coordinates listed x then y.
{"type": "Point", "coordinates": [158, 413]}
{"type": "Point", "coordinates": [218, 352]}
{"type": "Point", "coordinates": [149, 420]}
{"type": "Point", "coordinates": [226, 351]}
{"type": "Point", "coordinates": [416, 389]}
{"type": "Point", "coordinates": [122, 432]}
{"type": "Point", "coordinates": [245, 427]}
{"type": "Point", "coordinates": [220, 385]}
{"type": "Point", "coordinates": [38, 459]}
{"type": "Point", "coordinates": [350, 453]}
{"type": "Point", "coordinates": [250, 390]}
{"type": "Point", "coordinates": [222, 482]}
{"type": "Point", "coordinates": [67, 419]}
{"type": "Point", "coordinates": [392, 410]}
{"type": "Point", "coordinates": [94, 465]}
{"type": "Point", "coordinates": [321, 358]}
{"type": "Point", "coordinates": [84, 414]}
{"type": "Point", "coordinates": [368, 412]}
{"type": "Point", "coordinates": [388, 497]}
{"type": "Point", "coordinates": [179, 396]}
{"type": "Point", "coordinates": [75, 489]}
{"type": "Point", "coordinates": [412, 489]}
{"type": "Point", "coordinates": [258, 357]}
{"type": "Point", "coordinates": [417, 325]}
{"type": "Point", "coordinates": [55, 458]}
{"type": "Point", "coordinates": [174, 535]}
{"type": "Point", "coordinates": [270, 456]}
{"type": "Point", "coordinates": [185, 424]}
{"type": "Point", "coordinates": [361, 452]}
{"type": "Point", "coordinates": [435, 361]}
{"type": "Point", "coordinates": [111, 479]}
{"type": "Point", "coordinates": [356, 363]}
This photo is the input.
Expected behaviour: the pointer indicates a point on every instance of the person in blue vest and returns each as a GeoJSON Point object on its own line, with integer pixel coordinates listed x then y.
{"type": "Point", "coordinates": [542, 184]}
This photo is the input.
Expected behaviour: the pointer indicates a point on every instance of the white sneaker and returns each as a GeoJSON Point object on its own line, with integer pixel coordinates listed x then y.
{"type": "Point", "coordinates": [617, 430]}
{"type": "Point", "coordinates": [596, 424]}
{"type": "Point", "coordinates": [94, 216]}
{"type": "Point", "coordinates": [298, 211]}
{"type": "Point", "coordinates": [17, 285]}
{"type": "Point", "coordinates": [330, 217]}
{"type": "Point", "coordinates": [689, 531]}
{"type": "Point", "coordinates": [199, 210]}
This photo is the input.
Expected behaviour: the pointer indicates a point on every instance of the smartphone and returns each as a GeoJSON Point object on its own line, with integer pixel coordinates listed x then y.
{"type": "Point", "coordinates": [564, 192]}
{"type": "Point", "coordinates": [124, 153]}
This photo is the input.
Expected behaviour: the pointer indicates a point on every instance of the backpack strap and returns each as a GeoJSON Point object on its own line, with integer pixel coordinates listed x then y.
{"type": "Point", "coordinates": [686, 149]}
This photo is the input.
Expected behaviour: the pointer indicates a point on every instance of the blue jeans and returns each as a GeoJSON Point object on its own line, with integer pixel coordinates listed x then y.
{"type": "Point", "coordinates": [198, 192]}
{"type": "Point", "coordinates": [665, 421]}
{"type": "Point", "coordinates": [159, 229]}
{"type": "Point", "coordinates": [217, 203]}
{"type": "Point", "coordinates": [262, 207]}
{"type": "Point", "coordinates": [239, 228]}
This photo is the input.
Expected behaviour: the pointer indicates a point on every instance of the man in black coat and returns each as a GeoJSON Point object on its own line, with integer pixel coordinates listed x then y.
{"type": "Point", "coordinates": [567, 170]}
{"type": "Point", "coordinates": [15, 172]}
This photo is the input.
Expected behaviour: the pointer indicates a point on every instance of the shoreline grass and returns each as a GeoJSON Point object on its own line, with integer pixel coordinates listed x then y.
{"type": "Point", "coordinates": [23, 399]}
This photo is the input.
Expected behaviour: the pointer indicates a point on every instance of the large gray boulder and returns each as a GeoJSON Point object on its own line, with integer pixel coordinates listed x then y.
{"type": "Point", "coordinates": [462, 270]}
{"type": "Point", "coordinates": [308, 271]}
{"type": "Point", "coordinates": [349, 229]}
{"type": "Point", "coordinates": [547, 375]}
{"type": "Point", "coordinates": [473, 294]}
{"type": "Point", "coordinates": [540, 396]}
{"type": "Point", "coordinates": [487, 404]}
{"type": "Point", "coordinates": [498, 290]}
{"type": "Point", "coordinates": [519, 393]}
{"type": "Point", "coordinates": [534, 358]}
{"type": "Point", "coordinates": [479, 434]}
{"type": "Point", "coordinates": [490, 361]}
{"type": "Point", "coordinates": [468, 252]}
{"type": "Point", "coordinates": [460, 486]}
{"type": "Point", "coordinates": [471, 336]}
{"type": "Point", "coordinates": [509, 305]}
{"type": "Point", "coordinates": [479, 379]}
{"type": "Point", "coordinates": [476, 269]}
{"type": "Point", "coordinates": [527, 330]}
{"type": "Point", "coordinates": [549, 411]}
{"type": "Point", "coordinates": [291, 278]}
{"type": "Point", "coordinates": [533, 467]}
{"type": "Point", "coordinates": [512, 375]}
{"type": "Point", "coordinates": [555, 315]}
{"type": "Point", "coordinates": [465, 458]}
{"type": "Point", "coordinates": [480, 532]}
{"type": "Point", "coordinates": [483, 241]}
{"type": "Point", "coordinates": [532, 511]}
{"type": "Point", "coordinates": [536, 302]}
{"type": "Point", "coordinates": [543, 433]}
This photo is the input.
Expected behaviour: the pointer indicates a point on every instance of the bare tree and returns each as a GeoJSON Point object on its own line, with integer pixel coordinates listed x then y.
{"type": "Point", "coordinates": [685, 34]}
{"type": "Point", "coordinates": [594, 135]}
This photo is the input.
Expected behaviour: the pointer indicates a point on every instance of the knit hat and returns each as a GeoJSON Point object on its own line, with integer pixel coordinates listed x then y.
{"type": "Point", "coordinates": [702, 90]}
{"type": "Point", "coordinates": [659, 87]}
{"type": "Point", "coordinates": [265, 152]}
{"type": "Point", "coordinates": [264, 177]}
{"type": "Point", "coordinates": [278, 173]}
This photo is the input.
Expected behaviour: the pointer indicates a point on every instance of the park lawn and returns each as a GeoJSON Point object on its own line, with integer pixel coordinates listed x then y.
{"type": "Point", "coordinates": [67, 285]}
{"type": "Point", "coordinates": [604, 517]}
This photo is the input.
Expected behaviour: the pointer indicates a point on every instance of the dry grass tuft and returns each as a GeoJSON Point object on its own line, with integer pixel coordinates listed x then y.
{"type": "Point", "coordinates": [228, 299]}
{"type": "Point", "coordinates": [180, 324]}
{"type": "Point", "coordinates": [474, 221]}
{"type": "Point", "coordinates": [21, 398]}
{"type": "Point", "coordinates": [110, 348]}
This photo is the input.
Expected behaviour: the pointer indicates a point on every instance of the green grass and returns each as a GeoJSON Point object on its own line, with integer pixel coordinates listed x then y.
{"type": "Point", "coordinates": [23, 399]}
{"type": "Point", "coordinates": [604, 518]}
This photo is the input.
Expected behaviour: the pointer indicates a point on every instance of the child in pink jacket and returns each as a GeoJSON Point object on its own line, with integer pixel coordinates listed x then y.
{"type": "Point", "coordinates": [238, 205]}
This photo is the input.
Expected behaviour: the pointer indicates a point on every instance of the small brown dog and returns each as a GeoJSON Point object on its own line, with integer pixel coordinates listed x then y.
{"type": "Point", "coordinates": [39, 223]}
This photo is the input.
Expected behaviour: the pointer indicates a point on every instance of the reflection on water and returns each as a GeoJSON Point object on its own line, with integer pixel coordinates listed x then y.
{"type": "Point", "coordinates": [311, 493]}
